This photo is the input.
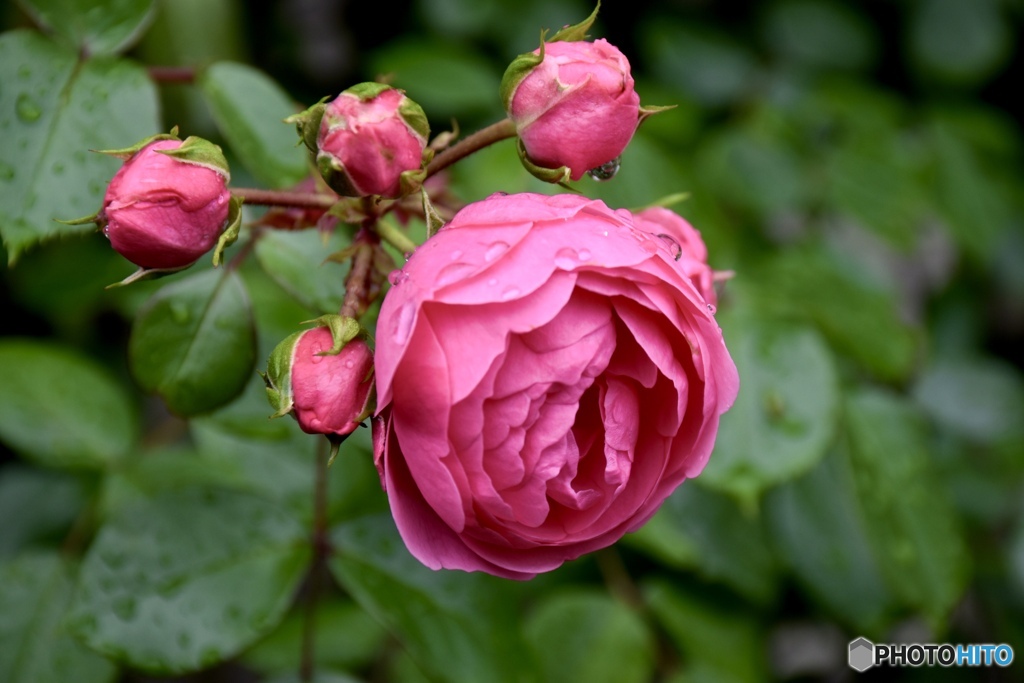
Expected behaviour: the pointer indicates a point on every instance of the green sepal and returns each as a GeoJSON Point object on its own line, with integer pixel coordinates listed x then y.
{"type": "Point", "coordinates": [84, 220]}
{"type": "Point", "coordinates": [307, 124]}
{"type": "Point", "coordinates": [334, 174]}
{"type": "Point", "coordinates": [445, 139]}
{"type": "Point", "coordinates": [147, 274]}
{"type": "Point", "coordinates": [230, 234]}
{"type": "Point", "coordinates": [343, 330]}
{"type": "Point", "coordinates": [411, 181]}
{"type": "Point", "coordinates": [560, 175]}
{"type": "Point", "coordinates": [351, 210]}
{"type": "Point", "coordinates": [576, 32]}
{"type": "Point", "coordinates": [414, 117]}
{"type": "Point", "coordinates": [519, 69]}
{"type": "Point", "coordinates": [665, 202]}
{"type": "Point", "coordinates": [127, 152]}
{"type": "Point", "coordinates": [367, 90]}
{"type": "Point", "coordinates": [430, 214]}
{"type": "Point", "coordinates": [278, 376]}
{"type": "Point", "coordinates": [648, 111]}
{"type": "Point", "coordinates": [200, 152]}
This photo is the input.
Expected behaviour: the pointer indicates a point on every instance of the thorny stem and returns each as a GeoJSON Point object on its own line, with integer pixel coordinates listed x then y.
{"type": "Point", "coordinates": [495, 132]}
{"type": "Point", "coordinates": [356, 284]}
{"type": "Point", "coordinates": [299, 200]}
{"type": "Point", "coordinates": [321, 550]}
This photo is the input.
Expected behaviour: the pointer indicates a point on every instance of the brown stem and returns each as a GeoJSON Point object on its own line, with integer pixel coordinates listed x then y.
{"type": "Point", "coordinates": [358, 280]}
{"type": "Point", "coordinates": [617, 578]}
{"type": "Point", "coordinates": [172, 74]}
{"type": "Point", "coordinates": [495, 132]}
{"type": "Point", "coordinates": [298, 200]}
{"type": "Point", "coordinates": [321, 550]}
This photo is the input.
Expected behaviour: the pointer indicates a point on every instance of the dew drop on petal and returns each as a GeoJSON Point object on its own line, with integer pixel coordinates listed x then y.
{"type": "Point", "coordinates": [606, 171]}
{"type": "Point", "coordinates": [453, 272]}
{"type": "Point", "coordinates": [397, 277]}
{"type": "Point", "coordinates": [673, 245]}
{"type": "Point", "coordinates": [566, 258]}
{"type": "Point", "coordinates": [510, 293]}
{"type": "Point", "coordinates": [495, 250]}
{"type": "Point", "coordinates": [456, 255]}
{"type": "Point", "coordinates": [711, 309]}
{"type": "Point", "coordinates": [585, 255]}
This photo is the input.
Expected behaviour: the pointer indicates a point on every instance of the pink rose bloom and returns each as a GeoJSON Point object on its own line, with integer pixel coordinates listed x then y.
{"type": "Point", "coordinates": [161, 212]}
{"type": "Point", "coordinates": [685, 241]}
{"type": "Point", "coordinates": [370, 136]}
{"type": "Point", "coordinates": [547, 375]}
{"type": "Point", "coordinates": [577, 108]}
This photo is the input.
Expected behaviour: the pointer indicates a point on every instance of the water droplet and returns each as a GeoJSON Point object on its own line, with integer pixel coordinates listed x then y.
{"type": "Point", "coordinates": [495, 250]}
{"type": "Point", "coordinates": [456, 255]}
{"type": "Point", "coordinates": [584, 254]}
{"type": "Point", "coordinates": [607, 170]}
{"type": "Point", "coordinates": [711, 309]}
{"type": "Point", "coordinates": [510, 293]}
{"type": "Point", "coordinates": [566, 258]}
{"type": "Point", "coordinates": [124, 607]}
{"type": "Point", "coordinates": [673, 245]}
{"type": "Point", "coordinates": [403, 323]}
{"type": "Point", "coordinates": [349, 363]}
{"type": "Point", "coordinates": [397, 277]}
{"type": "Point", "coordinates": [493, 281]}
{"type": "Point", "coordinates": [27, 109]}
{"type": "Point", "coordinates": [453, 272]}
{"type": "Point", "coordinates": [407, 255]}
{"type": "Point", "coordinates": [106, 231]}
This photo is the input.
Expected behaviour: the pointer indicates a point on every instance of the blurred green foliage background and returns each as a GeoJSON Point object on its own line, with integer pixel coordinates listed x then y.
{"type": "Point", "coordinates": [858, 165]}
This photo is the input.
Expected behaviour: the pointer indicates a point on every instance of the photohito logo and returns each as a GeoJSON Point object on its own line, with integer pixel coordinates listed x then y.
{"type": "Point", "coordinates": [863, 654]}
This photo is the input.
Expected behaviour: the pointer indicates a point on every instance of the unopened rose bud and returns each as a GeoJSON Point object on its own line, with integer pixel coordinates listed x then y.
{"type": "Point", "coordinates": [573, 105]}
{"type": "Point", "coordinates": [327, 389]}
{"type": "Point", "coordinates": [168, 204]}
{"type": "Point", "coordinates": [371, 142]}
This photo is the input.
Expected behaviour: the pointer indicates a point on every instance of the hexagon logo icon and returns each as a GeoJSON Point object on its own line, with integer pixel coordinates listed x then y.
{"type": "Point", "coordinates": [862, 654]}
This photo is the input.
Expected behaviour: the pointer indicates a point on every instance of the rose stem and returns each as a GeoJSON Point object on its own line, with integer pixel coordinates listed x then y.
{"type": "Point", "coordinates": [298, 200]}
{"type": "Point", "coordinates": [321, 550]}
{"type": "Point", "coordinates": [355, 284]}
{"type": "Point", "coordinates": [391, 234]}
{"type": "Point", "coordinates": [495, 132]}
{"type": "Point", "coordinates": [172, 74]}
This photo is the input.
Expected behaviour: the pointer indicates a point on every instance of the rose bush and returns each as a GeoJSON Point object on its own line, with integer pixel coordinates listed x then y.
{"type": "Point", "coordinates": [162, 211]}
{"type": "Point", "coordinates": [547, 374]}
{"type": "Point", "coordinates": [576, 108]}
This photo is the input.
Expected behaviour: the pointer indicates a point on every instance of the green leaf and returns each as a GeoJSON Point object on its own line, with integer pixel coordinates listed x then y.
{"type": "Point", "coordinates": [347, 638]}
{"type": "Point", "coordinates": [978, 398]}
{"type": "Point", "coordinates": [217, 571]}
{"type": "Point", "coordinates": [249, 108]}
{"type": "Point", "coordinates": [786, 412]}
{"type": "Point", "coordinates": [598, 639]}
{"type": "Point", "coordinates": [702, 529]}
{"type": "Point", "coordinates": [37, 506]}
{"type": "Point", "coordinates": [820, 33]}
{"type": "Point", "coordinates": [443, 79]}
{"type": "Point", "coordinates": [91, 27]}
{"type": "Point", "coordinates": [959, 42]}
{"type": "Point", "coordinates": [709, 66]}
{"type": "Point", "coordinates": [718, 642]}
{"type": "Point", "coordinates": [53, 110]}
{"type": "Point", "coordinates": [458, 626]}
{"type": "Point", "coordinates": [297, 262]}
{"type": "Point", "coordinates": [911, 524]}
{"type": "Point", "coordinates": [193, 343]}
{"type": "Point", "coordinates": [60, 408]}
{"type": "Point", "coordinates": [858, 317]}
{"type": "Point", "coordinates": [35, 647]}
{"type": "Point", "coordinates": [820, 530]}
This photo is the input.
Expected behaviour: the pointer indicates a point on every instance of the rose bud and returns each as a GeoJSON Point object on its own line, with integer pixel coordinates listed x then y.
{"type": "Point", "coordinates": [371, 142]}
{"type": "Point", "coordinates": [547, 375]}
{"type": "Point", "coordinates": [685, 242]}
{"type": "Point", "coordinates": [168, 204]}
{"type": "Point", "coordinates": [323, 377]}
{"type": "Point", "coordinates": [573, 106]}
